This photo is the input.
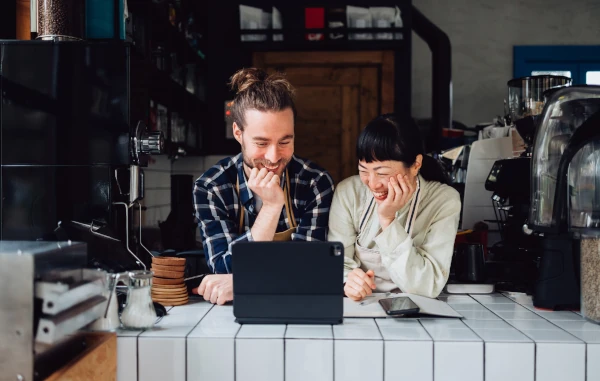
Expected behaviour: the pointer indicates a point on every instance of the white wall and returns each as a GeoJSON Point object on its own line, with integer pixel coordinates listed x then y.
{"type": "Point", "coordinates": [195, 165]}
{"type": "Point", "coordinates": [157, 197]}
{"type": "Point", "coordinates": [482, 34]}
{"type": "Point", "coordinates": [157, 191]}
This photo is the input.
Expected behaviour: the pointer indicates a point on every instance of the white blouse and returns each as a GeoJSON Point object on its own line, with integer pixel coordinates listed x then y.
{"type": "Point", "coordinates": [417, 264]}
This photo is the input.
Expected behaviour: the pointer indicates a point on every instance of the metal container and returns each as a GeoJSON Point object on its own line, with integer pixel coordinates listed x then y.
{"type": "Point", "coordinates": [24, 266]}
{"type": "Point", "coordinates": [61, 19]}
{"type": "Point", "coordinates": [565, 112]}
{"type": "Point", "coordinates": [526, 94]}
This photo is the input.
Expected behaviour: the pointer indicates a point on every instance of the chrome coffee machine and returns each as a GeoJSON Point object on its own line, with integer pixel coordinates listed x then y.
{"type": "Point", "coordinates": [70, 156]}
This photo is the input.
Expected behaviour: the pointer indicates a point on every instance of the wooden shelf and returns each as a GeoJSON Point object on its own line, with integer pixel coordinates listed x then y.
{"type": "Point", "coordinates": [295, 39]}
{"type": "Point", "coordinates": [165, 90]}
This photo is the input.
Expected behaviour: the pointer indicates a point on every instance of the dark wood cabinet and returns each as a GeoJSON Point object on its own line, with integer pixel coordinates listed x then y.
{"type": "Point", "coordinates": [338, 93]}
{"type": "Point", "coordinates": [227, 53]}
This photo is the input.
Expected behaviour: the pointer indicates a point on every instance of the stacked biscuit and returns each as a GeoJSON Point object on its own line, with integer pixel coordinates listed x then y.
{"type": "Point", "coordinates": [168, 287]}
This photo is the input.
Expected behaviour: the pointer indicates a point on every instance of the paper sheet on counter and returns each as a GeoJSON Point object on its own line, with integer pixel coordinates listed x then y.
{"type": "Point", "coordinates": [370, 307]}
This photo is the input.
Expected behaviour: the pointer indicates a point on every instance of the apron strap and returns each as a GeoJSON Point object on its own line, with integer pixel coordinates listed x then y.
{"type": "Point", "coordinates": [240, 207]}
{"type": "Point", "coordinates": [412, 211]}
{"type": "Point", "coordinates": [363, 217]}
{"type": "Point", "coordinates": [288, 201]}
{"type": "Point", "coordinates": [414, 208]}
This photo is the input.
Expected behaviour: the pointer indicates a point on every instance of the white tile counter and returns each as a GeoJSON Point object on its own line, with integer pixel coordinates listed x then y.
{"type": "Point", "coordinates": [498, 339]}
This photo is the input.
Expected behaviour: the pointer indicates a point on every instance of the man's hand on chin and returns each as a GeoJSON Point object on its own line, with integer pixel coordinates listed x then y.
{"type": "Point", "coordinates": [216, 288]}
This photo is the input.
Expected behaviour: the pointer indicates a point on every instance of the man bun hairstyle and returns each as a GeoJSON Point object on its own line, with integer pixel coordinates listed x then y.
{"type": "Point", "coordinates": [256, 89]}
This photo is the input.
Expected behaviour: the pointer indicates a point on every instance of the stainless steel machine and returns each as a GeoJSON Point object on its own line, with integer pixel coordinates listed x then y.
{"type": "Point", "coordinates": [46, 297]}
{"type": "Point", "coordinates": [564, 192]}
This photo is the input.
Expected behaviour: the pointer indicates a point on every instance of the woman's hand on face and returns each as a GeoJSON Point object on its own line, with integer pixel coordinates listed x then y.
{"type": "Point", "coordinates": [400, 190]}
{"type": "Point", "coordinates": [359, 284]}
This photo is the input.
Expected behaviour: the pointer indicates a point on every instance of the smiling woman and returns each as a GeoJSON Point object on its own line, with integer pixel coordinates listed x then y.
{"type": "Point", "coordinates": [398, 218]}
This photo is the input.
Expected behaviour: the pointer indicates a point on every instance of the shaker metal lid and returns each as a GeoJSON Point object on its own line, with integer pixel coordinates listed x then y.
{"type": "Point", "coordinates": [140, 278]}
{"type": "Point", "coordinates": [141, 274]}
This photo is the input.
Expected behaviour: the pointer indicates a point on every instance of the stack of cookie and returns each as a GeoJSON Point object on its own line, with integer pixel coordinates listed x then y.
{"type": "Point", "coordinates": [168, 287]}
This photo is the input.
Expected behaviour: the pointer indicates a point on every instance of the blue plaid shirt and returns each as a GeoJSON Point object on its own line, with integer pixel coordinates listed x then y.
{"type": "Point", "coordinates": [217, 203]}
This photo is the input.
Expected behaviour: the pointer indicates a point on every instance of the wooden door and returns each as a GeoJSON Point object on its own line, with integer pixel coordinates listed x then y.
{"type": "Point", "coordinates": [337, 94]}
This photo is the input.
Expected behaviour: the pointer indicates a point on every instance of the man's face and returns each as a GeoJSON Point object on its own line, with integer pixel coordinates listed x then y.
{"type": "Point", "coordinates": [267, 139]}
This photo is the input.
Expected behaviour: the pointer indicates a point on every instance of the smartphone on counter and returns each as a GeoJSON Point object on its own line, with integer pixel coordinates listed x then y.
{"type": "Point", "coordinates": [401, 305]}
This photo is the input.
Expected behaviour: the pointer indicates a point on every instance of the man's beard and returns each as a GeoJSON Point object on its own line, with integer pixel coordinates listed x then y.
{"type": "Point", "coordinates": [249, 164]}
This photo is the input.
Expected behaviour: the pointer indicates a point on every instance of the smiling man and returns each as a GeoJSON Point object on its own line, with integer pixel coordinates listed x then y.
{"type": "Point", "coordinates": [265, 193]}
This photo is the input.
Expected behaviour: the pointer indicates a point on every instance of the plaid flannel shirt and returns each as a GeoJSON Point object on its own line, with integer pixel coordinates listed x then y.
{"type": "Point", "coordinates": [217, 202]}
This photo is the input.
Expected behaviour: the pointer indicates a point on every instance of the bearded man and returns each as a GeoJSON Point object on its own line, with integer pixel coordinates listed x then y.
{"type": "Point", "coordinates": [265, 193]}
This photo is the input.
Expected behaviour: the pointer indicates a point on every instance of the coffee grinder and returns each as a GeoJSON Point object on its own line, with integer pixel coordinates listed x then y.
{"type": "Point", "coordinates": [512, 260]}
{"type": "Point", "coordinates": [569, 121]}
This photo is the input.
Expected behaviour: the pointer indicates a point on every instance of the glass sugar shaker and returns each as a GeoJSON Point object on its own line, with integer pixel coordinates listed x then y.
{"type": "Point", "coordinates": [139, 310]}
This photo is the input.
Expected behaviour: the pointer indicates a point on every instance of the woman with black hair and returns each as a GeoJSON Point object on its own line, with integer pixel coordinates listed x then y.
{"type": "Point", "coordinates": [398, 218]}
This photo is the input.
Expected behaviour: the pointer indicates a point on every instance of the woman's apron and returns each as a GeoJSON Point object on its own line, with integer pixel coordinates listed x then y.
{"type": "Point", "coordinates": [371, 259]}
{"type": "Point", "coordinates": [281, 236]}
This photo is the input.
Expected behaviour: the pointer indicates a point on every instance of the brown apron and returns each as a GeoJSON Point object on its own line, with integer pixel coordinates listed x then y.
{"type": "Point", "coordinates": [281, 236]}
{"type": "Point", "coordinates": [370, 259]}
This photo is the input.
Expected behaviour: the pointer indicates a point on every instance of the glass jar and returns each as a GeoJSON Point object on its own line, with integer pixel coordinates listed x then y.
{"type": "Point", "coordinates": [526, 95]}
{"type": "Point", "coordinates": [61, 19]}
{"type": "Point", "coordinates": [590, 278]}
{"type": "Point", "coordinates": [110, 320]}
{"type": "Point", "coordinates": [584, 221]}
{"type": "Point", "coordinates": [139, 310]}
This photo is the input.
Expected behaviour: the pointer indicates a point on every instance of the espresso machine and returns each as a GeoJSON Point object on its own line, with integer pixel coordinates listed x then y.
{"type": "Point", "coordinates": [71, 158]}
{"type": "Point", "coordinates": [512, 260]}
{"type": "Point", "coordinates": [561, 191]}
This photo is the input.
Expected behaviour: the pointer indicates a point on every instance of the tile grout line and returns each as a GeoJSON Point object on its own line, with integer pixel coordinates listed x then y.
{"type": "Point", "coordinates": [383, 348]}
{"type": "Point", "coordinates": [547, 320]}
{"type": "Point", "coordinates": [465, 324]}
{"type": "Point", "coordinates": [187, 335]}
{"type": "Point", "coordinates": [432, 349]}
{"type": "Point", "coordinates": [534, 359]}
{"type": "Point", "coordinates": [468, 341]}
{"type": "Point", "coordinates": [137, 357]}
{"type": "Point", "coordinates": [585, 361]}
{"type": "Point", "coordinates": [235, 351]}
{"type": "Point", "coordinates": [535, 343]}
{"type": "Point", "coordinates": [284, 349]}
{"type": "Point", "coordinates": [333, 351]}
{"type": "Point", "coordinates": [585, 343]}
{"type": "Point", "coordinates": [508, 322]}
